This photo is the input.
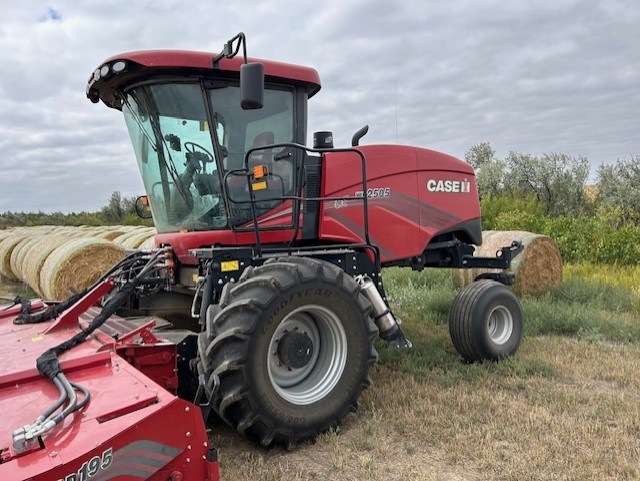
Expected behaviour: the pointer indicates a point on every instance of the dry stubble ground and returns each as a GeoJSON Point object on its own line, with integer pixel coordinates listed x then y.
{"type": "Point", "coordinates": [567, 407]}
{"type": "Point", "coordinates": [563, 408]}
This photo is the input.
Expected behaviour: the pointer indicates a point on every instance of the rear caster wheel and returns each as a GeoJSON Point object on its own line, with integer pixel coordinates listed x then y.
{"type": "Point", "coordinates": [485, 321]}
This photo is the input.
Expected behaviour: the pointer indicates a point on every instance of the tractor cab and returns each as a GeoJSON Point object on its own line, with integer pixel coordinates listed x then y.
{"type": "Point", "coordinates": [191, 131]}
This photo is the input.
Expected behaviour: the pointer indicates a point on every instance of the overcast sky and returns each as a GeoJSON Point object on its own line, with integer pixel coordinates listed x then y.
{"type": "Point", "coordinates": [530, 76]}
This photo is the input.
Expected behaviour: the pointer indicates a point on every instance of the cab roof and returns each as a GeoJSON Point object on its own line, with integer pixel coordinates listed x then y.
{"type": "Point", "coordinates": [145, 64]}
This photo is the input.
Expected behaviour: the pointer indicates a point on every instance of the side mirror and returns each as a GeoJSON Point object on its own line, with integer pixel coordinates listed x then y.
{"type": "Point", "coordinates": [251, 74]}
{"type": "Point", "coordinates": [143, 209]}
{"type": "Point", "coordinates": [251, 86]}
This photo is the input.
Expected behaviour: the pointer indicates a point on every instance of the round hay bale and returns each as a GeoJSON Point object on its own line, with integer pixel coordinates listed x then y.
{"type": "Point", "coordinates": [63, 229]}
{"type": "Point", "coordinates": [75, 233]}
{"type": "Point", "coordinates": [35, 257]}
{"type": "Point", "coordinates": [110, 234]}
{"type": "Point", "coordinates": [77, 264]}
{"type": "Point", "coordinates": [4, 234]}
{"type": "Point", "coordinates": [7, 245]}
{"type": "Point", "coordinates": [150, 243]}
{"type": "Point", "coordinates": [122, 239]}
{"type": "Point", "coordinates": [537, 268]}
{"type": "Point", "coordinates": [134, 241]}
{"type": "Point", "coordinates": [19, 253]}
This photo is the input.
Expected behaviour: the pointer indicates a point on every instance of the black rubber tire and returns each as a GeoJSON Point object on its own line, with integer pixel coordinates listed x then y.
{"type": "Point", "coordinates": [239, 338]}
{"type": "Point", "coordinates": [485, 321]}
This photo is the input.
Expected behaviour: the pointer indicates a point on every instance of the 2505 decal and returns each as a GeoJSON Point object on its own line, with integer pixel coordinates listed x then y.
{"type": "Point", "coordinates": [375, 193]}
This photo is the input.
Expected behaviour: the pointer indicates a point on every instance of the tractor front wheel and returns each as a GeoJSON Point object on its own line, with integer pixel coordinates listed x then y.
{"type": "Point", "coordinates": [485, 321]}
{"type": "Point", "coordinates": [291, 344]}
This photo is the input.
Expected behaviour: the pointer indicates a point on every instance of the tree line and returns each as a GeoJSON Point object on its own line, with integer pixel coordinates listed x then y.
{"type": "Point", "coordinates": [119, 210]}
{"type": "Point", "coordinates": [549, 195]}
{"type": "Point", "coordinates": [558, 183]}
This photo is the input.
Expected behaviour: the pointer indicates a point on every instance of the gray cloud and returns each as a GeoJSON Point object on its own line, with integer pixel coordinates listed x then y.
{"type": "Point", "coordinates": [528, 76]}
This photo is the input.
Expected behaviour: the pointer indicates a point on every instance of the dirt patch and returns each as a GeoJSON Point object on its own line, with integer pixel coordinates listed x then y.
{"type": "Point", "coordinates": [338, 455]}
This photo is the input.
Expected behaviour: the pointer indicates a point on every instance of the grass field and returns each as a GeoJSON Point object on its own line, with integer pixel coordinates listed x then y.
{"type": "Point", "coordinates": [566, 407]}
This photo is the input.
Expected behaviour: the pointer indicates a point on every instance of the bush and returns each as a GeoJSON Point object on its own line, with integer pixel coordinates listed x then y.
{"type": "Point", "coordinates": [556, 180]}
{"type": "Point", "coordinates": [494, 206]}
{"type": "Point", "coordinates": [618, 186]}
{"type": "Point", "coordinates": [579, 239]}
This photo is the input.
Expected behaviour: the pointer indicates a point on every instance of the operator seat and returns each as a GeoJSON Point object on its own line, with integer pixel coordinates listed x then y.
{"type": "Point", "coordinates": [281, 170]}
{"type": "Point", "coordinates": [279, 181]}
{"type": "Point", "coordinates": [262, 157]}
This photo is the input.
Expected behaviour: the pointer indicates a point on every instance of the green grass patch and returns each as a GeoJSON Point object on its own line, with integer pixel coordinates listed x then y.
{"type": "Point", "coordinates": [425, 295]}
{"type": "Point", "coordinates": [434, 360]}
{"type": "Point", "coordinates": [423, 300]}
{"type": "Point", "coordinates": [11, 289]}
{"type": "Point", "coordinates": [581, 307]}
{"type": "Point", "coordinates": [595, 294]}
{"type": "Point", "coordinates": [613, 275]}
{"type": "Point", "coordinates": [585, 309]}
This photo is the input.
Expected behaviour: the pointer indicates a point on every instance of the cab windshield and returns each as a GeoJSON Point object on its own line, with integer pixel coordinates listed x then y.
{"type": "Point", "coordinates": [174, 147]}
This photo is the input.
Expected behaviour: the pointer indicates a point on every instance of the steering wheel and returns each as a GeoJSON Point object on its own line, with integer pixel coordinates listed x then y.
{"type": "Point", "coordinates": [192, 147]}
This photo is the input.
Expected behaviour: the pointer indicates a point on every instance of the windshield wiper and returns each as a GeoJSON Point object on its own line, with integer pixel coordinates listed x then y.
{"type": "Point", "coordinates": [159, 149]}
{"type": "Point", "coordinates": [126, 102]}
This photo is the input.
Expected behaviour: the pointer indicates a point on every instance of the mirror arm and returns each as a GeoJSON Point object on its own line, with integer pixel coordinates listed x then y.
{"type": "Point", "coordinates": [228, 50]}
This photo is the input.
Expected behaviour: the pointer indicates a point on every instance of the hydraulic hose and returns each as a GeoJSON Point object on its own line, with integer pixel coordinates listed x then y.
{"type": "Point", "coordinates": [71, 396]}
{"type": "Point", "coordinates": [55, 406]}
{"type": "Point", "coordinates": [85, 393]}
{"type": "Point", "coordinates": [67, 392]}
{"type": "Point", "coordinates": [52, 312]}
{"type": "Point", "coordinates": [48, 364]}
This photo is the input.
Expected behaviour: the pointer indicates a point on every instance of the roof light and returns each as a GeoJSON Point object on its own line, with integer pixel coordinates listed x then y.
{"type": "Point", "coordinates": [119, 66]}
{"type": "Point", "coordinates": [104, 70]}
{"type": "Point", "coordinates": [96, 75]}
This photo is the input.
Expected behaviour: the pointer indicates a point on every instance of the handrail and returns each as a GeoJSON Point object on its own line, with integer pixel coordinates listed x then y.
{"type": "Point", "coordinates": [299, 198]}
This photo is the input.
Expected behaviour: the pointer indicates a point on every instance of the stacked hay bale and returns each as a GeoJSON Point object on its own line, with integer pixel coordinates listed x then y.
{"type": "Point", "coordinates": [109, 233]}
{"type": "Point", "coordinates": [150, 243]}
{"type": "Point", "coordinates": [19, 253]}
{"type": "Point", "coordinates": [76, 265]}
{"type": "Point", "coordinates": [7, 246]}
{"type": "Point", "coordinates": [36, 257]}
{"type": "Point", "coordinates": [133, 238]}
{"type": "Point", "coordinates": [53, 260]}
{"type": "Point", "coordinates": [537, 268]}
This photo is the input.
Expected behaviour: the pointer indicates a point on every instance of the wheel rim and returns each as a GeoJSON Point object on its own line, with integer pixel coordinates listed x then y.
{"type": "Point", "coordinates": [325, 367]}
{"type": "Point", "coordinates": [500, 325]}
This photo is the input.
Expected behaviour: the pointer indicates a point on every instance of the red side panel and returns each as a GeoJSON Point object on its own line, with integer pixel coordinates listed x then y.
{"type": "Point", "coordinates": [403, 214]}
{"type": "Point", "coordinates": [413, 194]}
{"type": "Point", "coordinates": [394, 220]}
{"type": "Point", "coordinates": [447, 191]}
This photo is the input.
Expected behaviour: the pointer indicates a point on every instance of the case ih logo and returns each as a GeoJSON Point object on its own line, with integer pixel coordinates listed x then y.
{"type": "Point", "coordinates": [455, 186]}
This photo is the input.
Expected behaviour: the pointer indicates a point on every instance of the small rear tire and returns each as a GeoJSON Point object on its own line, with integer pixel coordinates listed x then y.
{"type": "Point", "coordinates": [485, 321]}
